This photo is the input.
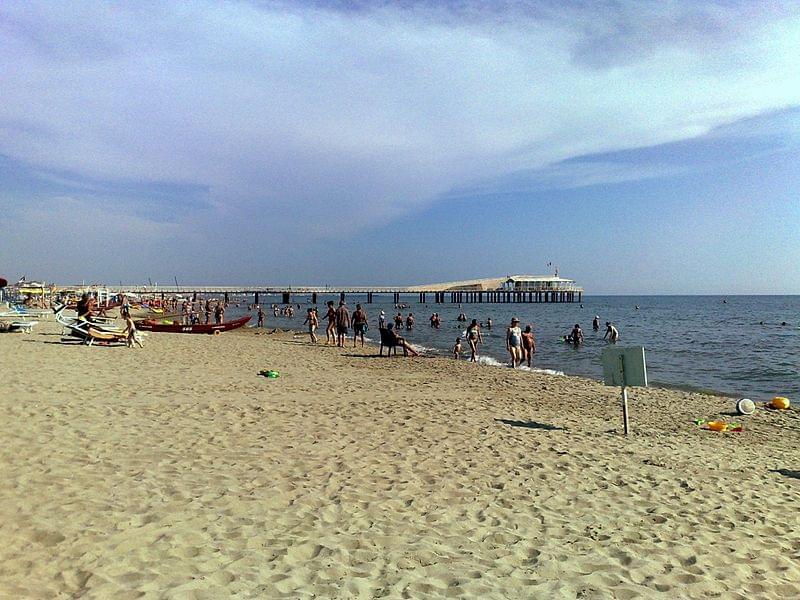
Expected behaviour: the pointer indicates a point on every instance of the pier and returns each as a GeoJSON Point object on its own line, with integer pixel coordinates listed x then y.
{"type": "Point", "coordinates": [503, 290]}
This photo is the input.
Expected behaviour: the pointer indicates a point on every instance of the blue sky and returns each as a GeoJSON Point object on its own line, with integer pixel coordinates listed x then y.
{"type": "Point", "coordinates": [641, 147]}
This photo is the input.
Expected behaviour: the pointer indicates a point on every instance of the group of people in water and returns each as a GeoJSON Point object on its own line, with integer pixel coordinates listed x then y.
{"type": "Point", "coordinates": [520, 342]}
{"type": "Point", "coordinates": [576, 337]}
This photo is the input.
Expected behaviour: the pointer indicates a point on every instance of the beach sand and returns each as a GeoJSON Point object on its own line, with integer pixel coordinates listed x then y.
{"type": "Point", "coordinates": [176, 471]}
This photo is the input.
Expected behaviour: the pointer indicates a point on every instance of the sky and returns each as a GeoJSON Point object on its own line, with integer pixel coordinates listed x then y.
{"type": "Point", "coordinates": [642, 147]}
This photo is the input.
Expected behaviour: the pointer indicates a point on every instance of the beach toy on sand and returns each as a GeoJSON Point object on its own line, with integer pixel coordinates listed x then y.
{"type": "Point", "coordinates": [780, 403]}
{"type": "Point", "coordinates": [271, 374]}
{"type": "Point", "coordinates": [745, 406]}
{"type": "Point", "coordinates": [717, 425]}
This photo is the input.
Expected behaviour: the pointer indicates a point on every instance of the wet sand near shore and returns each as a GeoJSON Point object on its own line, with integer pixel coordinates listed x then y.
{"type": "Point", "coordinates": [176, 471]}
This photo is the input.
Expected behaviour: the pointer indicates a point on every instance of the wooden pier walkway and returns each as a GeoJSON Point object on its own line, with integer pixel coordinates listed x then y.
{"type": "Point", "coordinates": [501, 290]}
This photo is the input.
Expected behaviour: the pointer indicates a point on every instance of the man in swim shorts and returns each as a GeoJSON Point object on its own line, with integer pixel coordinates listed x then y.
{"type": "Point", "coordinates": [359, 325]}
{"type": "Point", "coordinates": [528, 344]}
{"type": "Point", "coordinates": [611, 333]}
{"type": "Point", "coordinates": [342, 323]}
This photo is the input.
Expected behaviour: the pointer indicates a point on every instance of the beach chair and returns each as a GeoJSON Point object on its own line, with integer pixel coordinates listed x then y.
{"type": "Point", "coordinates": [389, 341]}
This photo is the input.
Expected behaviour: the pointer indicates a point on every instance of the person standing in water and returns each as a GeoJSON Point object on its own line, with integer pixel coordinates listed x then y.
{"type": "Point", "coordinates": [474, 337]}
{"type": "Point", "coordinates": [528, 344]}
{"type": "Point", "coordinates": [260, 317]}
{"type": "Point", "coordinates": [596, 323]}
{"type": "Point", "coordinates": [457, 349]}
{"type": "Point", "coordinates": [514, 343]}
{"type": "Point", "coordinates": [611, 333]}
{"type": "Point", "coordinates": [577, 335]}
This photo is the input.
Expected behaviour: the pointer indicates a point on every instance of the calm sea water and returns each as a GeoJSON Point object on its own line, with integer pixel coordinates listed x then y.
{"type": "Point", "coordinates": [691, 342]}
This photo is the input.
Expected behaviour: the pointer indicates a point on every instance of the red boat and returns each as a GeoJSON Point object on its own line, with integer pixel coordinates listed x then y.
{"type": "Point", "coordinates": [211, 328]}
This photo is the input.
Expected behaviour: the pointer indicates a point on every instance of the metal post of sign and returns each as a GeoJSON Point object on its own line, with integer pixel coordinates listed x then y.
{"type": "Point", "coordinates": [624, 395]}
{"type": "Point", "coordinates": [625, 409]}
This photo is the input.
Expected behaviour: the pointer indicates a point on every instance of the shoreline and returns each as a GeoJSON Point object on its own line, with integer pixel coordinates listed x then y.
{"type": "Point", "coordinates": [177, 470]}
{"type": "Point", "coordinates": [437, 353]}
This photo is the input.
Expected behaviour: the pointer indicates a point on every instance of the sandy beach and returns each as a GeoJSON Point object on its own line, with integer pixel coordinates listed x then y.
{"type": "Point", "coordinates": [176, 471]}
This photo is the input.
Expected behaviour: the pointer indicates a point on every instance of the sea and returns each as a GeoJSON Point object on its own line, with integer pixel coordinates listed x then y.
{"type": "Point", "coordinates": [732, 345]}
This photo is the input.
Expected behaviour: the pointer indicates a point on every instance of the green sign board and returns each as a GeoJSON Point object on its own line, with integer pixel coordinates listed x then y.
{"type": "Point", "coordinates": [624, 367]}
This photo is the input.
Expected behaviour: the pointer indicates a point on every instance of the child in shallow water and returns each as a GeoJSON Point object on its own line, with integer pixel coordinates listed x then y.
{"type": "Point", "coordinates": [457, 349]}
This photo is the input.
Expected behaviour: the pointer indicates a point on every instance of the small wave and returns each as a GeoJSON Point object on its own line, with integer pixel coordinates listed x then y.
{"type": "Point", "coordinates": [493, 362]}
{"type": "Point", "coordinates": [424, 349]}
{"type": "Point", "coordinates": [541, 371]}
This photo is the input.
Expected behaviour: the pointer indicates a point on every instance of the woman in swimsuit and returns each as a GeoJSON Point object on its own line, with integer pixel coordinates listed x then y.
{"type": "Point", "coordinates": [514, 342]}
{"type": "Point", "coordinates": [311, 320]}
{"type": "Point", "coordinates": [330, 330]}
{"type": "Point", "coordinates": [474, 337]}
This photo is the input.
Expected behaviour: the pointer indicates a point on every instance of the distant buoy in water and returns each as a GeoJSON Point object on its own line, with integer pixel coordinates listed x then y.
{"type": "Point", "coordinates": [745, 406]}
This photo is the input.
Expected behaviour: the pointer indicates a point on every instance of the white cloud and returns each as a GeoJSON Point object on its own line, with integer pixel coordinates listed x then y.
{"type": "Point", "coordinates": [326, 121]}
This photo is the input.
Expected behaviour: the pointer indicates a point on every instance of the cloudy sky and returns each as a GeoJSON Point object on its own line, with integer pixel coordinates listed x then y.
{"type": "Point", "coordinates": [644, 147]}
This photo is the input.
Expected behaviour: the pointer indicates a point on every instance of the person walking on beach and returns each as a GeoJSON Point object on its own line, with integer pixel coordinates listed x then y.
{"type": "Point", "coordinates": [474, 337]}
{"type": "Point", "coordinates": [514, 343]}
{"type": "Point", "coordinates": [611, 333]}
{"type": "Point", "coordinates": [577, 335]}
{"type": "Point", "coordinates": [260, 315]}
{"type": "Point", "coordinates": [131, 337]}
{"type": "Point", "coordinates": [219, 313]}
{"type": "Point", "coordinates": [330, 330]}
{"type": "Point", "coordinates": [311, 320]}
{"type": "Point", "coordinates": [528, 344]}
{"type": "Point", "coordinates": [359, 324]}
{"type": "Point", "coordinates": [457, 349]}
{"type": "Point", "coordinates": [342, 323]}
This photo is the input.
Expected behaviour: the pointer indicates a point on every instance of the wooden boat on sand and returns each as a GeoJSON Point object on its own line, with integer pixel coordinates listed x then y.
{"type": "Point", "coordinates": [208, 328]}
